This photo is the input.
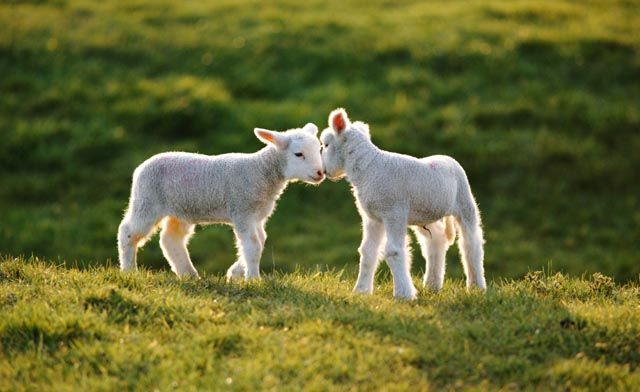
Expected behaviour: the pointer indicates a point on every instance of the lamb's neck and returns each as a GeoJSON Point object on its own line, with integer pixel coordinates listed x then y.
{"type": "Point", "coordinates": [359, 156]}
{"type": "Point", "coordinates": [270, 169]}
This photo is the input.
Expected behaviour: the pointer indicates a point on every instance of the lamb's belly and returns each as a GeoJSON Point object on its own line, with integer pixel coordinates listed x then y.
{"type": "Point", "coordinates": [207, 219]}
{"type": "Point", "coordinates": [423, 216]}
{"type": "Point", "coordinates": [204, 214]}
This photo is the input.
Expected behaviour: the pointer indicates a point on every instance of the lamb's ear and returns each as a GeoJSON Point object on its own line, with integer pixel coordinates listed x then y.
{"type": "Point", "coordinates": [339, 121]}
{"type": "Point", "coordinates": [272, 137]}
{"type": "Point", "coordinates": [311, 129]}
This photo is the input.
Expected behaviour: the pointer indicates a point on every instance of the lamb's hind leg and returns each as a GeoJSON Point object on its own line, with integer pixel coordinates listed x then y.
{"type": "Point", "coordinates": [237, 270]}
{"type": "Point", "coordinates": [133, 232]}
{"type": "Point", "coordinates": [471, 241]}
{"type": "Point", "coordinates": [434, 240]}
{"type": "Point", "coordinates": [174, 237]}
{"type": "Point", "coordinates": [471, 251]}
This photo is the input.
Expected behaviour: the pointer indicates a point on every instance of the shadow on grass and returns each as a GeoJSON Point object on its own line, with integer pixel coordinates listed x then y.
{"type": "Point", "coordinates": [28, 335]}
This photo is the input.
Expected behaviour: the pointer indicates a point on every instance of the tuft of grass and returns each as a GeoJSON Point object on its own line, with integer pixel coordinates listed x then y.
{"type": "Point", "coordinates": [97, 328]}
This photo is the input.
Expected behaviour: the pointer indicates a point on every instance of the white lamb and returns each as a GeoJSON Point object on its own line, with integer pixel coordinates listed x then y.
{"type": "Point", "coordinates": [181, 190]}
{"type": "Point", "coordinates": [394, 191]}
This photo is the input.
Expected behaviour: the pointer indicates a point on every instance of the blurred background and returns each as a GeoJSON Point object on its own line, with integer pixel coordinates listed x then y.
{"type": "Point", "coordinates": [538, 100]}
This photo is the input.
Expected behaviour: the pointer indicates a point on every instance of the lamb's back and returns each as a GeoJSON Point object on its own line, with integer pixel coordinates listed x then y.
{"type": "Point", "coordinates": [190, 185]}
{"type": "Point", "coordinates": [398, 179]}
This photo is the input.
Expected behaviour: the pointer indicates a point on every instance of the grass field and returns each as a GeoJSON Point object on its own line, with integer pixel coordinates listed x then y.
{"type": "Point", "coordinates": [98, 329]}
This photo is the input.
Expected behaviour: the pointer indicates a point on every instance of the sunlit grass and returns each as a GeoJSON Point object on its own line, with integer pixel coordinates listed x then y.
{"type": "Point", "coordinates": [99, 328]}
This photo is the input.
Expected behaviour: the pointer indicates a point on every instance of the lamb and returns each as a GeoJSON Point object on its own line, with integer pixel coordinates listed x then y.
{"type": "Point", "coordinates": [431, 195]}
{"type": "Point", "coordinates": [178, 190]}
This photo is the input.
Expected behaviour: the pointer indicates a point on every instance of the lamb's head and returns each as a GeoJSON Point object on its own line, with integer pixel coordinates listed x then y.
{"type": "Point", "coordinates": [301, 151]}
{"type": "Point", "coordinates": [336, 140]}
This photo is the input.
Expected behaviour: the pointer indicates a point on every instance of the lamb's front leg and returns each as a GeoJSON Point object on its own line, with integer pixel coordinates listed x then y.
{"type": "Point", "coordinates": [396, 255]}
{"type": "Point", "coordinates": [250, 246]}
{"type": "Point", "coordinates": [238, 269]}
{"type": "Point", "coordinates": [373, 231]}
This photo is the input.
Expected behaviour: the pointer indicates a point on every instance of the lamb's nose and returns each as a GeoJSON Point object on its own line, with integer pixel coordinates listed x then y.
{"type": "Point", "coordinates": [320, 173]}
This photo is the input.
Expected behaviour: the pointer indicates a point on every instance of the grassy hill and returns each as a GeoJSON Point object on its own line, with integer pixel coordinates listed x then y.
{"type": "Point", "coordinates": [98, 329]}
{"type": "Point", "coordinates": [540, 102]}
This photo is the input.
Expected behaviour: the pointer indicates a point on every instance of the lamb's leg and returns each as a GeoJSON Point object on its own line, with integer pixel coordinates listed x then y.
{"type": "Point", "coordinates": [262, 233]}
{"type": "Point", "coordinates": [133, 232]}
{"type": "Point", "coordinates": [471, 241]}
{"type": "Point", "coordinates": [433, 244]}
{"type": "Point", "coordinates": [173, 240]}
{"type": "Point", "coordinates": [472, 252]}
{"type": "Point", "coordinates": [237, 270]}
{"type": "Point", "coordinates": [396, 255]}
{"type": "Point", "coordinates": [369, 255]}
{"type": "Point", "coordinates": [249, 246]}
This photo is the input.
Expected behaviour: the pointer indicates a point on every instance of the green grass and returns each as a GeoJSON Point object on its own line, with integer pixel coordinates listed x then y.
{"type": "Point", "coordinates": [540, 102]}
{"type": "Point", "coordinates": [98, 329]}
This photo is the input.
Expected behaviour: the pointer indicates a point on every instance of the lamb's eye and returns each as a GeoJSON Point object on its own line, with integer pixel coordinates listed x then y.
{"type": "Point", "coordinates": [299, 154]}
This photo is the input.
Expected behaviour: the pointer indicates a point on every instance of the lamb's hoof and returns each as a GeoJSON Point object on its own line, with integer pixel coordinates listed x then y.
{"type": "Point", "coordinates": [476, 288]}
{"type": "Point", "coordinates": [363, 290]}
{"type": "Point", "coordinates": [432, 286]}
{"type": "Point", "coordinates": [252, 277]}
{"type": "Point", "coordinates": [234, 276]}
{"type": "Point", "coordinates": [188, 275]}
{"type": "Point", "coordinates": [480, 285]}
{"type": "Point", "coordinates": [405, 293]}
{"type": "Point", "coordinates": [235, 272]}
